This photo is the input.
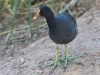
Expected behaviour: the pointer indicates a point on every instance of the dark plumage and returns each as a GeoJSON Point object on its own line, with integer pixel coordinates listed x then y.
{"type": "Point", "coordinates": [62, 30]}
{"type": "Point", "coordinates": [62, 27]}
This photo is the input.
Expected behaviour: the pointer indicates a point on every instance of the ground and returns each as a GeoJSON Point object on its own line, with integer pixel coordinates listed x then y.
{"type": "Point", "coordinates": [29, 60]}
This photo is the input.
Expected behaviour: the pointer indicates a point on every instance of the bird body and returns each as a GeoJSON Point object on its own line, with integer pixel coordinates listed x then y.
{"type": "Point", "coordinates": [62, 28]}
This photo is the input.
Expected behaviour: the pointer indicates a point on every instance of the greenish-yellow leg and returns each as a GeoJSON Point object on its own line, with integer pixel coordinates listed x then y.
{"type": "Point", "coordinates": [56, 62]}
{"type": "Point", "coordinates": [65, 60]}
{"type": "Point", "coordinates": [70, 59]}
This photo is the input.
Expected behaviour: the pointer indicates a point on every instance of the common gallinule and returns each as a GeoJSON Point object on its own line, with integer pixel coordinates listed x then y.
{"type": "Point", "coordinates": [62, 30]}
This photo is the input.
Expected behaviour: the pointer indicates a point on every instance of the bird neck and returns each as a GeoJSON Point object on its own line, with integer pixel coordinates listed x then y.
{"type": "Point", "coordinates": [51, 22]}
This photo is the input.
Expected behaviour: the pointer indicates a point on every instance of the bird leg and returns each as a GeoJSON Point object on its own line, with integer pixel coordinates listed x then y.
{"type": "Point", "coordinates": [71, 59]}
{"type": "Point", "coordinates": [56, 62]}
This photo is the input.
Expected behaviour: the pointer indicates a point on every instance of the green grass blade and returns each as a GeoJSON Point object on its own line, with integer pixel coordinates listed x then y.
{"type": "Point", "coordinates": [13, 19]}
{"type": "Point", "coordinates": [29, 21]}
{"type": "Point", "coordinates": [52, 4]}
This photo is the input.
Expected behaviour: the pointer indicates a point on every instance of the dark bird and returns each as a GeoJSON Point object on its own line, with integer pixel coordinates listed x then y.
{"type": "Point", "coordinates": [62, 30]}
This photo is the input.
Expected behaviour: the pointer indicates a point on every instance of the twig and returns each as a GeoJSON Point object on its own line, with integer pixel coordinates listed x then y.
{"type": "Point", "coordinates": [69, 6]}
{"type": "Point", "coordinates": [22, 31]}
{"type": "Point", "coordinates": [41, 3]}
{"type": "Point", "coordinates": [24, 13]}
{"type": "Point", "coordinates": [21, 28]}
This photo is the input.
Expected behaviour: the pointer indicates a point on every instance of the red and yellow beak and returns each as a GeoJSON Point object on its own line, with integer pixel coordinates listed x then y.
{"type": "Point", "coordinates": [37, 15]}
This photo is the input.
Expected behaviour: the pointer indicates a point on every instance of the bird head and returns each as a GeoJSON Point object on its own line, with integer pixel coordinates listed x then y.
{"type": "Point", "coordinates": [44, 11]}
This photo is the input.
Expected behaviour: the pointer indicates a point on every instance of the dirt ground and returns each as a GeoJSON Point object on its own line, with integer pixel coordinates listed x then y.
{"type": "Point", "coordinates": [28, 61]}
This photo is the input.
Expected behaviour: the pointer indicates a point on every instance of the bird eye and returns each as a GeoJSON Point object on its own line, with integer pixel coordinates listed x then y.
{"type": "Point", "coordinates": [42, 11]}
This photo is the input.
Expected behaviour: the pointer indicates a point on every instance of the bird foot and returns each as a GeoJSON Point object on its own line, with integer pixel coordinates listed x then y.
{"type": "Point", "coordinates": [65, 62]}
{"type": "Point", "coordinates": [55, 64]}
{"type": "Point", "coordinates": [71, 59]}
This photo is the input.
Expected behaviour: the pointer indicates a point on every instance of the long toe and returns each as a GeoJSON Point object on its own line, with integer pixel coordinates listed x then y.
{"type": "Point", "coordinates": [54, 65]}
